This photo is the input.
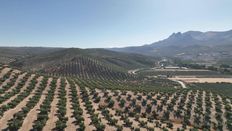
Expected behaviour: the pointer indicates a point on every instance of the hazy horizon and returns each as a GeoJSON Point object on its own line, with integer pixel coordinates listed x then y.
{"type": "Point", "coordinates": [106, 23]}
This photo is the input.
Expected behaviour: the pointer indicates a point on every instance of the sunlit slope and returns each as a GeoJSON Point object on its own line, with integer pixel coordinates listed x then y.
{"type": "Point", "coordinates": [85, 62]}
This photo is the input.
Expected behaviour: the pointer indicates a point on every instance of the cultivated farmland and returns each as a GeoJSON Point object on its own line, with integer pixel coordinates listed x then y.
{"type": "Point", "coordinates": [35, 102]}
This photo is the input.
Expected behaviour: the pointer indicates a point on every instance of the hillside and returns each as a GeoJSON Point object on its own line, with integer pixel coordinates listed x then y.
{"type": "Point", "coordinates": [10, 54]}
{"type": "Point", "coordinates": [198, 46]}
{"type": "Point", "coordinates": [91, 62]}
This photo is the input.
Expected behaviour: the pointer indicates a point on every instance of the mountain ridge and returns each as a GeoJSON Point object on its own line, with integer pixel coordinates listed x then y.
{"type": "Point", "coordinates": [192, 44]}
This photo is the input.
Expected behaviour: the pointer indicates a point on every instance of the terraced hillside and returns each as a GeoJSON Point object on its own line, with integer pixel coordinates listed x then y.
{"type": "Point", "coordinates": [34, 102]}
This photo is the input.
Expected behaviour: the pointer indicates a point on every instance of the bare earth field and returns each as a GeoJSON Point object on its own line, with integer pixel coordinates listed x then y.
{"type": "Point", "coordinates": [202, 80]}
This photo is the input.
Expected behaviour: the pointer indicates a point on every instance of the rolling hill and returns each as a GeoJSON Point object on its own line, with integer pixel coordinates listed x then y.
{"type": "Point", "coordinates": [81, 62]}
{"type": "Point", "coordinates": [10, 54]}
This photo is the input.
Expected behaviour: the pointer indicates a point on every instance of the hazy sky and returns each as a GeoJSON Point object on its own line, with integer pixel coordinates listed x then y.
{"type": "Point", "coordinates": [106, 23]}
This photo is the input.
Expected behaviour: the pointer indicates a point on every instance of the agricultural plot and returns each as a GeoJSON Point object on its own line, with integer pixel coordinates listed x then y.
{"type": "Point", "coordinates": [183, 73]}
{"type": "Point", "coordinates": [164, 85]}
{"type": "Point", "coordinates": [202, 80]}
{"type": "Point", "coordinates": [160, 111]}
{"type": "Point", "coordinates": [224, 89]}
{"type": "Point", "coordinates": [85, 68]}
{"type": "Point", "coordinates": [34, 102]}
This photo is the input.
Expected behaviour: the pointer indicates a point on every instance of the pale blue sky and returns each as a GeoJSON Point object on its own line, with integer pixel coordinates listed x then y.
{"type": "Point", "coordinates": [106, 23]}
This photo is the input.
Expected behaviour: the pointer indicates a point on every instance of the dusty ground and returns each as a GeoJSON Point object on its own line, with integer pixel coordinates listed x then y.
{"type": "Point", "coordinates": [135, 123]}
{"type": "Point", "coordinates": [9, 79]}
{"type": "Point", "coordinates": [20, 77]}
{"type": "Point", "coordinates": [69, 113]}
{"type": "Point", "coordinates": [176, 98]}
{"type": "Point", "coordinates": [4, 71]}
{"type": "Point", "coordinates": [21, 90]}
{"type": "Point", "coordinates": [86, 116]}
{"type": "Point", "coordinates": [32, 115]}
{"type": "Point", "coordinates": [9, 114]}
{"type": "Point", "coordinates": [223, 112]}
{"type": "Point", "coordinates": [202, 80]}
{"type": "Point", "coordinates": [52, 118]}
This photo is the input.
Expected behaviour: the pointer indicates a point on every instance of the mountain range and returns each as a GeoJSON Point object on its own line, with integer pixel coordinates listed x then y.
{"type": "Point", "coordinates": [195, 46]}
{"type": "Point", "coordinates": [211, 47]}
